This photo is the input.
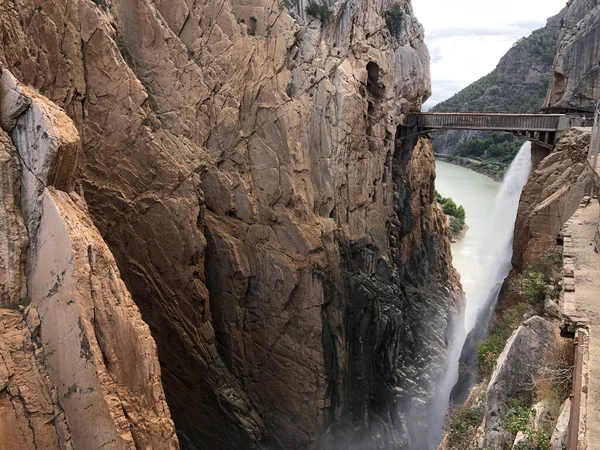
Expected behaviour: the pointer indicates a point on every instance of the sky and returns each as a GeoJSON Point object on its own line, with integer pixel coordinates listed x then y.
{"type": "Point", "coordinates": [467, 38]}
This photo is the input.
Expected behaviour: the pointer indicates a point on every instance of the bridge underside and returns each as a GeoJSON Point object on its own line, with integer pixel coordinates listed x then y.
{"type": "Point", "coordinates": [542, 129]}
{"type": "Point", "coordinates": [545, 139]}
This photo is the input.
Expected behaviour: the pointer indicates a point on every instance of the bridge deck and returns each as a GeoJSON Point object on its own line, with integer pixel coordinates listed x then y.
{"type": "Point", "coordinates": [486, 121]}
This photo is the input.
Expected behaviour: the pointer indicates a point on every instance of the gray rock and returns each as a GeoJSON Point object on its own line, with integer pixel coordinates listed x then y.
{"type": "Point", "coordinates": [551, 308]}
{"type": "Point", "coordinates": [559, 436]}
{"type": "Point", "coordinates": [513, 376]}
{"type": "Point", "coordinates": [576, 79]}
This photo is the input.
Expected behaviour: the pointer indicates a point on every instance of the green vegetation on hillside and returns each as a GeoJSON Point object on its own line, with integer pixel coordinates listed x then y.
{"type": "Point", "coordinates": [494, 93]}
{"type": "Point", "coordinates": [540, 45]}
{"type": "Point", "coordinates": [508, 89]}
{"type": "Point", "coordinates": [455, 213]}
{"type": "Point", "coordinates": [495, 152]}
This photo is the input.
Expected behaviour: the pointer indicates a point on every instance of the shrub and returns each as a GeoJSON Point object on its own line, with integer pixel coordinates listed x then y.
{"type": "Point", "coordinates": [456, 225]}
{"type": "Point", "coordinates": [393, 19]}
{"type": "Point", "coordinates": [533, 286]}
{"type": "Point", "coordinates": [464, 421]}
{"type": "Point", "coordinates": [253, 25]}
{"type": "Point", "coordinates": [290, 89]}
{"type": "Point", "coordinates": [489, 350]}
{"type": "Point", "coordinates": [449, 207]}
{"type": "Point", "coordinates": [100, 3]}
{"type": "Point", "coordinates": [320, 12]}
{"type": "Point", "coordinates": [519, 418]}
{"type": "Point", "coordinates": [123, 47]}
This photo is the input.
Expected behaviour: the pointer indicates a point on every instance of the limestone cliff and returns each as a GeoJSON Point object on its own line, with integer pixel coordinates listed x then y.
{"type": "Point", "coordinates": [575, 83]}
{"type": "Point", "coordinates": [241, 164]}
{"type": "Point", "coordinates": [80, 369]}
{"type": "Point", "coordinates": [551, 195]}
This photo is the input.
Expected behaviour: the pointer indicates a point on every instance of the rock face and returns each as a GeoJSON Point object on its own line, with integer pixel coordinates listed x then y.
{"type": "Point", "coordinates": [30, 413]}
{"type": "Point", "coordinates": [81, 370]}
{"type": "Point", "coordinates": [13, 234]}
{"type": "Point", "coordinates": [515, 371]}
{"type": "Point", "coordinates": [552, 194]}
{"type": "Point", "coordinates": [560, 432]}
{"type": "Point", "coordinates": [283, 247]}
{"type": "Point", "coordinates": [100, 353]}
{"type": "Point", "coordinates": [576, 75]}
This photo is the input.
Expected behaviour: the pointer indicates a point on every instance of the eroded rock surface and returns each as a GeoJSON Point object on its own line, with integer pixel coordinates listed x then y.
{"type": "Point", "coordinates": [13, 234]}
{"type": "Point", "coordinates": [576, 75]}
{"type": "Point", "coordinates": [30, 413]}
{"type": "Point", "coordinates": [100, 353]}
{"type": "Point", "coordinates": [81, 370]}
{"type": "Point", "coordinates": [241, 164]}
{"type": "Point", "coordinates": [552, 194]}
{"type": "Point", "coordinates": [514, 376]}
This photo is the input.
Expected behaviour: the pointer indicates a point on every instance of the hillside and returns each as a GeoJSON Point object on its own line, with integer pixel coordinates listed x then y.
{"type": "Point", "coordinates": [518, 84]}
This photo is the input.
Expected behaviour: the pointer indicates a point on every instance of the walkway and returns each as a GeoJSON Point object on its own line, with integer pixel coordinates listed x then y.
{"type": "Point", "coordinates": [543, 129]}
{"type": "Point", "coordinates": [585, 302]}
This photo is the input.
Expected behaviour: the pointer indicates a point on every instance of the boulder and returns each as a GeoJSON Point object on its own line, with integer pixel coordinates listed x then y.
{"type": "Point", "coordinates": [513, 378]}
{"type": "Point", "coordinates": [559, 435]}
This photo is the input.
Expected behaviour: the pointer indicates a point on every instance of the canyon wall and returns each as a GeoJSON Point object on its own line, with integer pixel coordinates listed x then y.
{"type": "Point", "coordinates": [550, 197]}
{"type": "Point", "coordinates": [575, 83]}
{"type": "Point", "coordinates": [240, 160]}
{"type": "Point", "coordinates": [79, 367]}
{"type": "Point", "coordinates": [519, 345]}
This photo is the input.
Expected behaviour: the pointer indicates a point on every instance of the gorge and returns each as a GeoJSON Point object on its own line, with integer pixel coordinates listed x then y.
{"type": "Point", "coordinates": [214, 236]}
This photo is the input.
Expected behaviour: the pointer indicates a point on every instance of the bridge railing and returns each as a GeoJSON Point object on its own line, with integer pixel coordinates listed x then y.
{"type": "Point", "coordinates": [595, 141]}
{"type": "Point", "coordinates": [488, 121]}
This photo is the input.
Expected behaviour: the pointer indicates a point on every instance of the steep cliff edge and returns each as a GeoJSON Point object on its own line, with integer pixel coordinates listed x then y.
{"type": "Point", "coordinates": [79, 369]}
{"type": "Point", "coordinates": [241, 163]}
{"type": "Point", "coordinates": [551, 195]}
{"type": "Point", "coordinates": [575, 83]}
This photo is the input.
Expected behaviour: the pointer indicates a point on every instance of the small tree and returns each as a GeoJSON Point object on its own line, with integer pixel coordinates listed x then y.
{"type": "Point", "coordinates": [533, 286]}
{"type": "Point", "coordinates": [450, 208]}
{"type": "Point", "coordinates": [318, 11]}
{"type": "Point", "coordinates": [290, 89]}
{"type": "Point", "coordinates": [393, 19]}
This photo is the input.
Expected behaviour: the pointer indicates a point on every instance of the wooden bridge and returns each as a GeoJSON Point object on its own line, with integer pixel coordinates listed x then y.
{"type": "Point", "coordinates": [543, 129]}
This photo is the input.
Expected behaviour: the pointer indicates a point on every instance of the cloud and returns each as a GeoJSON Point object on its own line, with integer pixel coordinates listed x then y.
{"type": "Point", "coordinates": [444, 89]}
{"type": "Point", "coordinates": [467, 38]}
{"type": "Point", "coordinates": [436, 55]}
{"type": "Point", "coordinates": [515, 30]}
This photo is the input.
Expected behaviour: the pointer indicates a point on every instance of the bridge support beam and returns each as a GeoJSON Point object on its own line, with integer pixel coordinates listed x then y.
{"type": "Point", "coordinates": [538, 153]}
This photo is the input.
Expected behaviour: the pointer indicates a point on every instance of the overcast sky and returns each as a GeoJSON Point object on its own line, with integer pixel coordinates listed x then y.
{"type": "Point", "coordinates": [467, 38]}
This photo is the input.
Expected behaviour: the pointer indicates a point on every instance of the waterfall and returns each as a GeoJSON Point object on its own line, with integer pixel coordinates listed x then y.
{"type": "Point", "coordinates": [500, 237]}
{"type": "Point", "coordinates": [481, 303]}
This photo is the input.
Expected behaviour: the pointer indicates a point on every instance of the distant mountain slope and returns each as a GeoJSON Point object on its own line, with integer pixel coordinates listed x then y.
{"type": "Point", "coordinates": [518, 84]}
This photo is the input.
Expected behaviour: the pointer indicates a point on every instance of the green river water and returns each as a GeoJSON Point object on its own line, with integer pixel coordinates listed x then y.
{"type": "Point", "coordinates": [477, 194]}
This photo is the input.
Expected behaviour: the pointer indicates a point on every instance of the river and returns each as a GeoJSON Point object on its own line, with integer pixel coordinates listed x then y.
{"type": "Point", "coordinates": [482, 259]}
{"type": "Point", "coordinates": [472, 258]}
{"type": "Point", "coordinates": [477, 194]}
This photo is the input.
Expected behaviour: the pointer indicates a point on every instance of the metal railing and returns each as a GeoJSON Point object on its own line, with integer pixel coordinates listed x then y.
{"type": "Point", "coordinates": [575, 416]}
{"type": "Point", "coordinates": [488, 121]}
{"type": "Point", "coordinates": [595, 141]}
